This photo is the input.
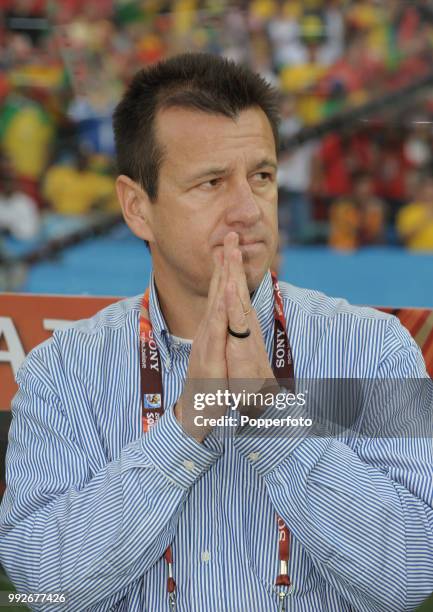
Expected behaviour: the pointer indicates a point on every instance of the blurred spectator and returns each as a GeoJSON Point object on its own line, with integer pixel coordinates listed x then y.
{"type": "Point", "coordinates": [262, 59]}
{"type": "Point", "coordinates": [353, 77]}
{"type": "Point", "coordinates": [283, 32]}
{"type": "Point", "coordinates": [19, 214]}
{"type": "Point", "coordinates": [294, 180]}
{"type": "Point", "coordinates": [77, 189]}
{"type": "Point", "coordinates": [27, 135]}
{"type": "Point", "coordinates": [294, 37]}
{"type": "Point", "coordinates": [415, 220]}
{"type": "Point", "coordinates": [358, 220]}
{"type": "Point", "coordinates": [236, 37]}
{"type": "Point", "coordinates": [301, 75]}
{"type": "Point", "coordinates": [418, 144]}
{"type": "Point", "coordinates": [27, 17]}
{"type": "Point", "coordinates": [93, 124]}
{"type": "Point", "coordinates": [393, 169]}
{"type": "Point", "coordinates": [332, 167]}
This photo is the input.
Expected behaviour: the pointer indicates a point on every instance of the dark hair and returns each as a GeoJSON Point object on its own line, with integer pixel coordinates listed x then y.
{"type": "Point", "coordinates": [201, 81]}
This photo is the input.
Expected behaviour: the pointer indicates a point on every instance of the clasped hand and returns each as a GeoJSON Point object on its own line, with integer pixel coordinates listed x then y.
{"type": "Point", "coordinates": [218, 360]}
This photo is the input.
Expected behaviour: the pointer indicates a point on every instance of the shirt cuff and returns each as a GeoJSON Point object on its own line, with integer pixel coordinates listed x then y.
{"type": "Point", "coordinates": [180, 458]}
{"type": "Point", "coordinates": [269, 439]}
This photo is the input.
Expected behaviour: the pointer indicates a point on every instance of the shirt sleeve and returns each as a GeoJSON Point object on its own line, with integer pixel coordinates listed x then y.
{"type": "Point", "coordinates": [88, 534]}
{"type": "Point", "coordinates": [363, 508]}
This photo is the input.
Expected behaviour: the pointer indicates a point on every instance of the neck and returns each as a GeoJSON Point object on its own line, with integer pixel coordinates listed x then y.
{"type": "Point", "coordinates": [182, 311]}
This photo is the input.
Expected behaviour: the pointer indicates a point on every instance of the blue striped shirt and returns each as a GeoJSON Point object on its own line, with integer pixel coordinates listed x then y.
{"type": "Point", "coordinates": [92, 503]}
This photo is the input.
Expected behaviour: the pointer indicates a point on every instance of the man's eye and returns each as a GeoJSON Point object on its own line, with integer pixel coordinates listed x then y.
{"type": "Point", "coordinates": [264, 176]}
{"type": "Point", "coordinates": [211, 183]}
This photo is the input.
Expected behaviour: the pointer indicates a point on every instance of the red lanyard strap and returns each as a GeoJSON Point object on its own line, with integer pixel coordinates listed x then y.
{"type": "Point", "coordinates": [152, 401]}
{"type": "Point", "coordinates": [153, 404]}
{"type": "Point", "coordinates": [282, 366]}
{"type": "Point", "coordinates": [151, 378]}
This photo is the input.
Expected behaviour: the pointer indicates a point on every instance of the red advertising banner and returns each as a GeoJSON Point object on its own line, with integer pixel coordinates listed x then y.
{"type": "Point", "coordinates": [27, 320]}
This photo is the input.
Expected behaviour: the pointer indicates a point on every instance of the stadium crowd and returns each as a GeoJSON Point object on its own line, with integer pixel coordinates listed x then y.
{"type": "Point", "coordinates": [63, 66]}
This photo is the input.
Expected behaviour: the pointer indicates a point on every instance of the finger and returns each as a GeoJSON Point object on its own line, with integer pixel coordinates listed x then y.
{"type": "Point", "coordinates": [222, 281]}
{"type": "Point", "coordinates": [231, 242]}
{"type": "Point", "coordinates": [214, 283]}
{"type": "Point", "coordinates": [215, 329]}
{"type": "Point", "coordinates": [237, 274]}
{"type": "Point", "coordinates": [235, 315]}
{"type": "Point", "coordinates": [237, 270]}
{"type": "Point", "coordinates": [215, 323]}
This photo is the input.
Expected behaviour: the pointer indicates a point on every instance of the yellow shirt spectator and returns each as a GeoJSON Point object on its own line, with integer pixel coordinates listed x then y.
{"type": "Point", "coordinates": [415, 226]}
{"type": "Point", "coordinates": [263, 9]}
{"type": "Point", "coordinates": [27, 140]}
{"type": "Point", "coordinates": [344, 220]}
{"type": "Point", "coordinates": [300, 80]}
{"type": "Point", "coordinates": [73, 192]}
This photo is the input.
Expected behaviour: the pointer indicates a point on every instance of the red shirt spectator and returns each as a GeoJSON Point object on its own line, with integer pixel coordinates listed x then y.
{"type": "Point", "coordinates": [334, 174]}
{"type": "Point", "coordinates": [392, 171]}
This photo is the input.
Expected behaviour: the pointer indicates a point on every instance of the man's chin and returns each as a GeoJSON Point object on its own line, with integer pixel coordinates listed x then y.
{"type": "Point", "coordinates": [255, 277]}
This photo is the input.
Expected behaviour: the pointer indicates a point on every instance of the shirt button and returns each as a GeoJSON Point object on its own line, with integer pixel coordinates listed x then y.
{"type": "Point", "coordinates": [189, 465]}
{"type": "Point", "coordinates": [167, 363]}
{"type": "Point", "coordinates": [254, 456]}
{"type": "Point", "coordinates": [205, 556]}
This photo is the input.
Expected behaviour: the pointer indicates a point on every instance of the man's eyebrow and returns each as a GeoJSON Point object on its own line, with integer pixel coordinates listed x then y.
{"type": "Point", "coordinates": [221, 171]}
{"type": "Point", "coordinates": [266, 163]}
{"type": "Point", "coordinates": [208, 172]}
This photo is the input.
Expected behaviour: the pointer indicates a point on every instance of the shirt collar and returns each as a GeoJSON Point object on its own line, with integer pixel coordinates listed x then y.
{"type": "Point", "coordinates": [262, 301]}
{"type": "Point", "coordinates": [160, 329]}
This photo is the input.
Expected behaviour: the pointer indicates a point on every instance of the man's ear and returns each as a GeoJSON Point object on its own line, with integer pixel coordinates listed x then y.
{"type": "Point", "coordinates": [135, 205]}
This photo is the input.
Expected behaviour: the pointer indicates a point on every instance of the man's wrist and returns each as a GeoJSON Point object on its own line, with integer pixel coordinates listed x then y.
{"type": "Point", "coordinates": [178, 456]}
{"type": "Point", "coordinates": [270, 435]}
{"type": "Point", "coordinates": [186, 421]}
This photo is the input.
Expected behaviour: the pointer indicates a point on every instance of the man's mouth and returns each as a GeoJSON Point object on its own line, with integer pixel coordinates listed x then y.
{"type": "Point", "coordinates": [250, 245]}
{"type": "Point", "coordinates": [245, 243]}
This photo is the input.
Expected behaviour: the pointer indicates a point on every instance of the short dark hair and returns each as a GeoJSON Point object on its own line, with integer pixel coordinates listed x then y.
{"type": "Point", "coordinates": [201, 81]}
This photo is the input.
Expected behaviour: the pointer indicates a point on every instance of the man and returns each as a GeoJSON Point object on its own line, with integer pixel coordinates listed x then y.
{"type": "Point", "coordinates": [118, 513]}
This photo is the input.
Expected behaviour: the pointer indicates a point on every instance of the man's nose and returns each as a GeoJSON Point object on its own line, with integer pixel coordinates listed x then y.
{"type": "Point", "coordinates": [242, 206]}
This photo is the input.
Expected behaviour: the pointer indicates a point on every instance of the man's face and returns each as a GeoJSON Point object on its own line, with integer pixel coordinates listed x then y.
{"type": "Point", "coordinates": [217, 176]}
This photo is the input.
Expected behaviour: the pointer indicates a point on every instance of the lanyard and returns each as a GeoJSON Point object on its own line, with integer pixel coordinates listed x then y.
{"type": "Point", "coordinates": [152, 401]}
{"type": "Point", "coordinates": [282, 366]}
